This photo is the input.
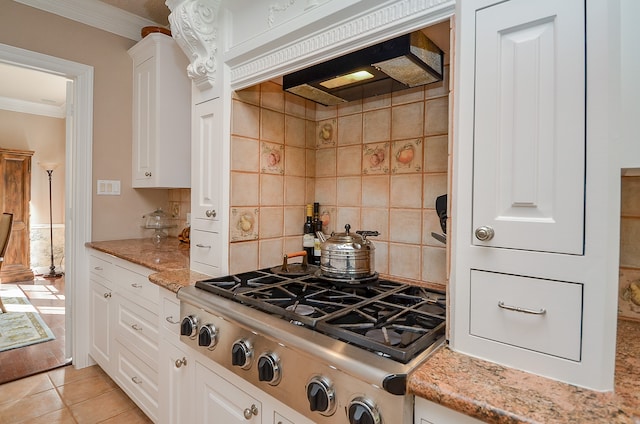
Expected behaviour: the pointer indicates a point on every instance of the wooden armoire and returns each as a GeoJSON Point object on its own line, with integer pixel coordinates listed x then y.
{"type": "Point", "coordinates": [15, 194]}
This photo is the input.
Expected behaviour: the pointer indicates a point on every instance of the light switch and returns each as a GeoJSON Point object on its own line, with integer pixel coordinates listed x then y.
{"type": "Point", "coordinates": [108, 187]}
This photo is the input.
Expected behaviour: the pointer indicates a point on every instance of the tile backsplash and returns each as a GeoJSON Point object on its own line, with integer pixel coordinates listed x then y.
{"type": "Point", "coordinates": [376, 164]}
{"type": "Point", "coordinates": [629, 282]}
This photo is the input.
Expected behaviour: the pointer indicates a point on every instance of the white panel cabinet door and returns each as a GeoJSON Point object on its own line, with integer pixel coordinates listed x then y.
{"type": "Point", "coordinates": [100, 348]}
{"type": "Point", "coordinates": [219, 401]}
{"type": "Point", "coordinates": [176, 374]}
{"type": "Point", "coordinates": [529, 126]}
{"type": "Point", "coordinates": [161, 114]}
{"type": "Point", "coordinates": [206, 165]}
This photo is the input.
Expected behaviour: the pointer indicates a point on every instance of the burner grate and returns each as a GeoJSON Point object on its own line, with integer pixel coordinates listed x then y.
{"type": "Point", "coordinates": [392, 319]}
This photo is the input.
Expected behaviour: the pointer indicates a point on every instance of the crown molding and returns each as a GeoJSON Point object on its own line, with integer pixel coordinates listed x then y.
{"type": "Point", "coordinates": [33, 108]}
{"type": "Point", "coordinates": [96, 14]}
{"type": "Point", "coordinates": [258, 62]}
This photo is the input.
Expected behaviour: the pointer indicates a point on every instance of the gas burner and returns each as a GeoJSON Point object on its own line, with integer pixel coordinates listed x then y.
{"type": "Point", "coordinates": [395, 319]}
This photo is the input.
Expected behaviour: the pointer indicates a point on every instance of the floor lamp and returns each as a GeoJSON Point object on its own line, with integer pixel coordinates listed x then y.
{"type": "Point", "coordinates": [49, 167]}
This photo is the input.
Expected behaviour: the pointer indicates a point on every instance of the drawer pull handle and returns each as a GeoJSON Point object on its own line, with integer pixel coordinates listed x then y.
{"type": "Point", "coordinates": [170, 320]}
{"type": "Point", "coordinates": [136, 380]}
{"type": "Point", "coordinates": [136, 327]}
{"type": "Point", "coordinates": [181, 362]}
{"type": "Point", "coordinates": [203, 246]}
{"type": "Point", "coordinates": [98, 268]}
{"type": "Point", "coordinates": [107, 295]}
{"type": "Point", "coordinates": [250, 412]}
{"type": "Point", "coordinates": [540, 311]}
{"type": "Point", "coordinates": [136, 285]}
{"type": "Point", "coordinates": [211, 213]}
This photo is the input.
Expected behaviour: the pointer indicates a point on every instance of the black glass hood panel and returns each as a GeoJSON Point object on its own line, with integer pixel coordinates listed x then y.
{"type": "Point", "coordinates": [403, 62]}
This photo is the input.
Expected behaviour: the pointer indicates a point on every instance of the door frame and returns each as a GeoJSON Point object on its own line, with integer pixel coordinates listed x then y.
{"type": "Point", "coordinates": [78, 189]}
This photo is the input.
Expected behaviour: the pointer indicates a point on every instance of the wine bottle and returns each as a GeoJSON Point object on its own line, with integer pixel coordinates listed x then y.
{"type": "Point", "coordinates": [308, 237]}
{"type": "Point", "coordinates": [317, 226]}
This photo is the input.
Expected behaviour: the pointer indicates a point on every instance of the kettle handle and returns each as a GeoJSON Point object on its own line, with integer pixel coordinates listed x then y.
{"type": "Point", "coordinates": [366, 234]}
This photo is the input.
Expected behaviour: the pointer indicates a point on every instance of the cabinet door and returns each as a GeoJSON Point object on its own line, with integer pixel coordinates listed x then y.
{"type": "Point", "coordinates": [144, 123]}
{"type": "Point", "coordinates": [427, 412]}
{"type": "Point", "coordinates": [100, 323]}
{"type": "Point", "coordinates": [206, 162]}
{"type": "Point", "coordinates": [219, 401]}
{"type": "Point", "coordinates": [176, 380]}
{"type": "Point", "coordinates": [529, 128]}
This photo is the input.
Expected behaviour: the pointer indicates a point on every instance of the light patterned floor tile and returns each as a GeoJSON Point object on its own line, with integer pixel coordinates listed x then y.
{"type": "Point", "coordinates": [30, 407]}
{"type": "Point", "coordinates": [102, 407]}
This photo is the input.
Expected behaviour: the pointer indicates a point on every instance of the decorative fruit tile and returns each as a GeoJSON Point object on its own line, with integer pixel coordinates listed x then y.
{"type": "Point", "coordinates": [327, 133]}
{"type": "Point", "coordinates": [629, 293]}
{"type": "Point", "coordinates": [375, 158]}
{"type": "Point", "coordinates": [406, 156]}
{"type": "Point", "coordinates": [326, 215]}
{"type": "Point", "coordinates": [244, 224]}
{"type": "Point", "coordinates": [272, 158]}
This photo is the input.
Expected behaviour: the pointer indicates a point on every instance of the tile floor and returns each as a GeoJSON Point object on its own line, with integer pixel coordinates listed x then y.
{"type": "Point", "coordinates": [47, 296]}
{"type": "Point", "coordinates": [67, 396]}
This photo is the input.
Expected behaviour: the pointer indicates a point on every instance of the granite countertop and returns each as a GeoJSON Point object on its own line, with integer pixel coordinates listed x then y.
{"type": "Point", "coordinates": [171, 259]}
{"type": "Point", "coordinates": [498, 394]}
{"type": "Point", "coordinates": [490, 392]}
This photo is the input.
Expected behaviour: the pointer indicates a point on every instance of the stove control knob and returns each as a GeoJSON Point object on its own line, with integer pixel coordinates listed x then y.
{"type": "Point", "coordinates": [363, 411]}
{"type": "Point", "coordinates": [208, 336]}
{"type": "Point", "coordinates": [189, 327]}
{"type": "Point", "coordinates": [321, 396]}
{"type": "Point", "coordinates": [241, 354]}
{"type": "Point", "coordinates": [269, 368]}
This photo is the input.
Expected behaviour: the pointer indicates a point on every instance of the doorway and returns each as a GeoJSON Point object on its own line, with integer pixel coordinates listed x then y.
{"type": "Point", "coordinates": [77, 186]}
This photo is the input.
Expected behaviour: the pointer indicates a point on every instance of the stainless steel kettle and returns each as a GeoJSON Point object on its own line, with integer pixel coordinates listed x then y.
{"type": "Point", "coordinates": [348, 256]}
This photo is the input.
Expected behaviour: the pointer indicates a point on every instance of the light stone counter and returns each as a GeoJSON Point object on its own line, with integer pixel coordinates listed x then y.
{"type": "Point", "coordinates": [498, 394]}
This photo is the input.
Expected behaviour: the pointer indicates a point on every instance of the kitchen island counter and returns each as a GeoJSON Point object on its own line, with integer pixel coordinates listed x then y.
{"type": "Point", "coordinates": [497, 394]}
{"type": "Point", "coordinates": [171, 259]}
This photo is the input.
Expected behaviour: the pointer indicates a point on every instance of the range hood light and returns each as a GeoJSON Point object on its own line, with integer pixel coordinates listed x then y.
{"type": "Point", "coordinates": [343, 80]}
{"type": "Point", "coordinates": [406, 61]}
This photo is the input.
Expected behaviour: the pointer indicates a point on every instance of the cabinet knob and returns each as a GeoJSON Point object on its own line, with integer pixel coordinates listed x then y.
{"type": "Point", "coordinates": [250, 412]}
{"type": "Point", "coordinates": [107, 295]}
{"type": "Point", "coordinates": [211, 213]}
{"type": "Point", "coordinates": [484, 233]}
{"type": "Point", "coordinates": [181, 362]}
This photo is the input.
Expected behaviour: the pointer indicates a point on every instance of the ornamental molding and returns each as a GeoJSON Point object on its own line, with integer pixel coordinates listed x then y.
{"type": "Point", "coordinates": [194, 26]}
{"type": "Point", "coordinates": [390, 19]}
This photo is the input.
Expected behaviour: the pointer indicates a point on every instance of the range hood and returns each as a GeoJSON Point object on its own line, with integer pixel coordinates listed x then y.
{"type": "Point", "coordinates": [407, 61]}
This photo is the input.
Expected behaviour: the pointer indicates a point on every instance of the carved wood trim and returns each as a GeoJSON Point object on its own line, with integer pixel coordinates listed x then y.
{"type": "Point", "coordinates": [194, 26]}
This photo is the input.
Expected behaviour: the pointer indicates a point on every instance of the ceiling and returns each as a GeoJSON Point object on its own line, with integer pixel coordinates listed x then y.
{"type": "Point", "coordinates": [30, 91]}
{"type": "Point", "coordinates": [155, 10]}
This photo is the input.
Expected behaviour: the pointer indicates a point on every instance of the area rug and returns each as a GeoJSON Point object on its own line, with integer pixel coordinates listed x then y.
{"type": "Point", "coordinates": [21, 325]}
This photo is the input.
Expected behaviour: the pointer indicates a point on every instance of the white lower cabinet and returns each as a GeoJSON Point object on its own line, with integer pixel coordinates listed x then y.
{"type": "Point", "coordinates": [135, 339]}
{"type": "Point", "coordinates": [177, 365]}
{"type": "Point", "coordinates": [217, 400]}
{"type": "Point", "coordinates": [124, 327]}
{"type": "Point", "coordinates": [100, 346]}
{"type": "Point", "coordinates": [427, 412]}
{"type": "Point", "coordinates": [138, 379]}
{"type": "Point", "coordinates": [222, 397]}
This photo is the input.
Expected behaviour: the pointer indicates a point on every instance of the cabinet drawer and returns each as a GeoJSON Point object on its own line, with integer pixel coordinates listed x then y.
{"type": "Point", "coordinates": [101, 267]}
{"type": "Point", "coordinates": [137, 285]}
{"type": "Point", "coordinates": [205, 247]}
{"type": "Point", "coordinates": [170, 314]}
{"type": "Point", "coordinates": [139, 381]}
{"type": "Point", "coordinates": [138, 328]}
{"type": "Point", "coordinates": [540, 315]}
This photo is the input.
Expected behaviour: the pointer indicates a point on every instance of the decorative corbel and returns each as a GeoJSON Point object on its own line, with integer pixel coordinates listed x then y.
{"type": "Point", "coordinates": [194, 26]}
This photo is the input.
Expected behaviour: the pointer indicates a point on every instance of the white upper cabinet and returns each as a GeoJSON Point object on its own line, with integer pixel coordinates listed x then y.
{"type": "Point", "coordinates": [529, 127]}
{"type": "Point", "coordinates": [161, 114]}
